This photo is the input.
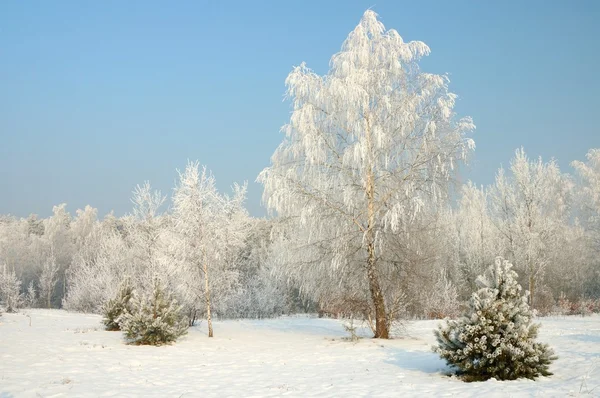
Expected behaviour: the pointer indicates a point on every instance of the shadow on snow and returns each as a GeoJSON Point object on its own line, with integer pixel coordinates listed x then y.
{"type": "Point", "coordinates": [423, 361]}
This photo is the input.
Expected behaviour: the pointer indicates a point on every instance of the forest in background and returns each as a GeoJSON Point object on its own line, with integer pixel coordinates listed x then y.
{"type": "Point", "coordinates": [545, 221]}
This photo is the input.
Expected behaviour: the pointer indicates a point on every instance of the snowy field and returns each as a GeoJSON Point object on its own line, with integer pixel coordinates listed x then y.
{"type": "Point", "coordinates": [68, 354]}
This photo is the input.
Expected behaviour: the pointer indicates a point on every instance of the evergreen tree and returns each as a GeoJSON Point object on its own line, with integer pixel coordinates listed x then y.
{"type": "Point", "coordinates": [495, 337]}
{"type": "Point", "coordinates": [115, 308]}
{"type": "Point", "coordinates": [154, 319]}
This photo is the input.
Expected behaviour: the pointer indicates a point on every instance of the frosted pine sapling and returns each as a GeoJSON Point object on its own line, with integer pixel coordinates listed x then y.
{"type": "Point", "coordinates": [155, 319]}
{"type": "Point", "coordinates": [114, 309]}
{"type": "Point", "coordinates": [495, 338]}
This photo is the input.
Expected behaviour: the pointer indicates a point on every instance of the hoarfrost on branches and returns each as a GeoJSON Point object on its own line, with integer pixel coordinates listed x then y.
{"type": "Point", "coordinates": [210, 229]}
{"type": "Point", "coordinates": [495, 338]}
{"type": "Point", "coordinates": [367, 146]}
{"type": "Point", "coordinates": [530, 209]}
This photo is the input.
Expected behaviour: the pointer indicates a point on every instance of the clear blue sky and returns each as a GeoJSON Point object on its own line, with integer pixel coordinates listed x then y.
{"type": "Point", "coordinates": [96, 97]}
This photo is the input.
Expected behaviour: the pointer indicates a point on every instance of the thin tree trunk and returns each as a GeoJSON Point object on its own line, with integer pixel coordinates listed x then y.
{"type": "Point", "coordinates": [381, 321]}
{"type": "Point", "coordinates": [207, 296]}
{"type": "Point", "coordinates": [531, 288]}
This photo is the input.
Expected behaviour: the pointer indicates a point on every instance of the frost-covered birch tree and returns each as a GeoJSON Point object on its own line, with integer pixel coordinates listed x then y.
{"type": "Point", "coordinates": [98, 269]}
{"type": "Point", "coordinates": [83, 225]}
{"type": "Point", "coordinates": [530, 209]}
{"type": "Point", "coordinates": [477, 243]}
{"type": "Point", "coordinates": [48, 280]}
{"type": "Point", "coordinates": [588, 195]}
{"type": "Point", "coordinates": [589, 191]}
{"type": "Point", "coordinates": [145, 227]}
{"type": "Point", "coordinates": [10, 290]}
{"type": "Point", "coordinates": [366, 145]}
{"type": "Point", "coordinates": [209, 226]}
{"type": "Point", "coordinates": [59, 239]}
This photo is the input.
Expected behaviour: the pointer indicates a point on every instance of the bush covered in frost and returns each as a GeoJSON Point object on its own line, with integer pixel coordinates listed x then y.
{"type": "Point", "coordinates": [115, 308]}
{"type": "Point", "coordinates": [495, 338]}
{"type": "Point", "coordinates": [153, 319]}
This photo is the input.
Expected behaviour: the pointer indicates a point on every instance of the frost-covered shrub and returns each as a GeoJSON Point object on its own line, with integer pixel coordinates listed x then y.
{"type": "Point", "coordinates": [544, 301]}
{"type": "Point", "coordinates": [586, 307]}
{"type": "Point", "coordinates": [10, 290]}
{"type": "Point", "coordinates": [94, 275]}
{"type": "Point", "coordinates": [596, 307]}
{"type": "Point", "coordinates": [260, 296]}
{"type": "Point", "coordinates": [563, 306]}
{"type": "Point", "coordinates": [115, 308]}
{"type": "Point", "coordinates": [154, 319]}
{"type": "Point", "coordinates": [495, 337]}
{"type": "Point", "coordinates": [442, 301]}
{"type": "Point", "coordinates": [583, 306]}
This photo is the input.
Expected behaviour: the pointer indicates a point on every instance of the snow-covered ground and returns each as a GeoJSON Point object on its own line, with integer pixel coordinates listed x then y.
{"type": "Point", "coordinates": [46, 353]}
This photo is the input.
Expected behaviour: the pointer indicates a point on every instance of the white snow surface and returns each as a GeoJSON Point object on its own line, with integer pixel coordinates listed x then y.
{"type": "Point", "coordinates": [69, 354]}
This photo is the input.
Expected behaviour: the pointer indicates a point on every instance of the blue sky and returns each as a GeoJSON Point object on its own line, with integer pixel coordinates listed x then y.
{"type": "Point", "coordinates": [96, 97]}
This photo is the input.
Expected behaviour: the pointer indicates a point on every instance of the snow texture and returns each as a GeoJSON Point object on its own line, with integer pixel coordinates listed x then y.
{"type": "Point", "coordinates": [57, 353]}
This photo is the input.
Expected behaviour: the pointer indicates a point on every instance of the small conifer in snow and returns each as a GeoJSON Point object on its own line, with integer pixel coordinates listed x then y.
{"type": "Point", "coordinates": [154, 319]}
{"type": "Point", "coordinates": [115, 308]}
{"type": "Point", "coordinates": [495, 338]}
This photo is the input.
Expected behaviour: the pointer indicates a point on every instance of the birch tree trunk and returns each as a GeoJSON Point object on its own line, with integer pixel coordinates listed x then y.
{"type": "Point", "coordinates": [531, 288]}
{"type": "Point", "coordinates": [207, 297]}
{"type": "Point", "coordinates": [381, 321]}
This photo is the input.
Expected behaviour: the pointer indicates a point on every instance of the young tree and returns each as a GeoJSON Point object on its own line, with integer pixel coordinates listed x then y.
{"type": "Point", "coordinates": [83, 225]}
{"type": "Point", "coordinates": [209, 226]}
{"type": "Point", "coordinates": [97, 271]}
{"type": "Point", "coordinates": [530, 210]}
{"type": "Point", "coordinates": [144, 229]}
{"type": "Point", "coordinates": [30, 296]}
{"type": "Point", "coordinates": [10, 290]}
{"type": "Point", "coordinates": [495, 337]}
{"type": "Point", "coordinates": [48, 280]}
{"type": "Point", "coordinates": [154, 318]}
{"type": "Point", "coordinates": [588, 195]}
{"type": "Point", "coordinates": [589, 191]}
{"type": "Point", "coordinates": [260, 294]}
{"type": "Point", "coordinates": [59, 241]}
{"type": "Point", "coordinates": [115, 308]}
{"type": "Point", "coordinates": [24, 251]}
{"type": "Point", "coordinates": [477, 244]}
{"type": "Point", "coordinates": [366, 145]}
